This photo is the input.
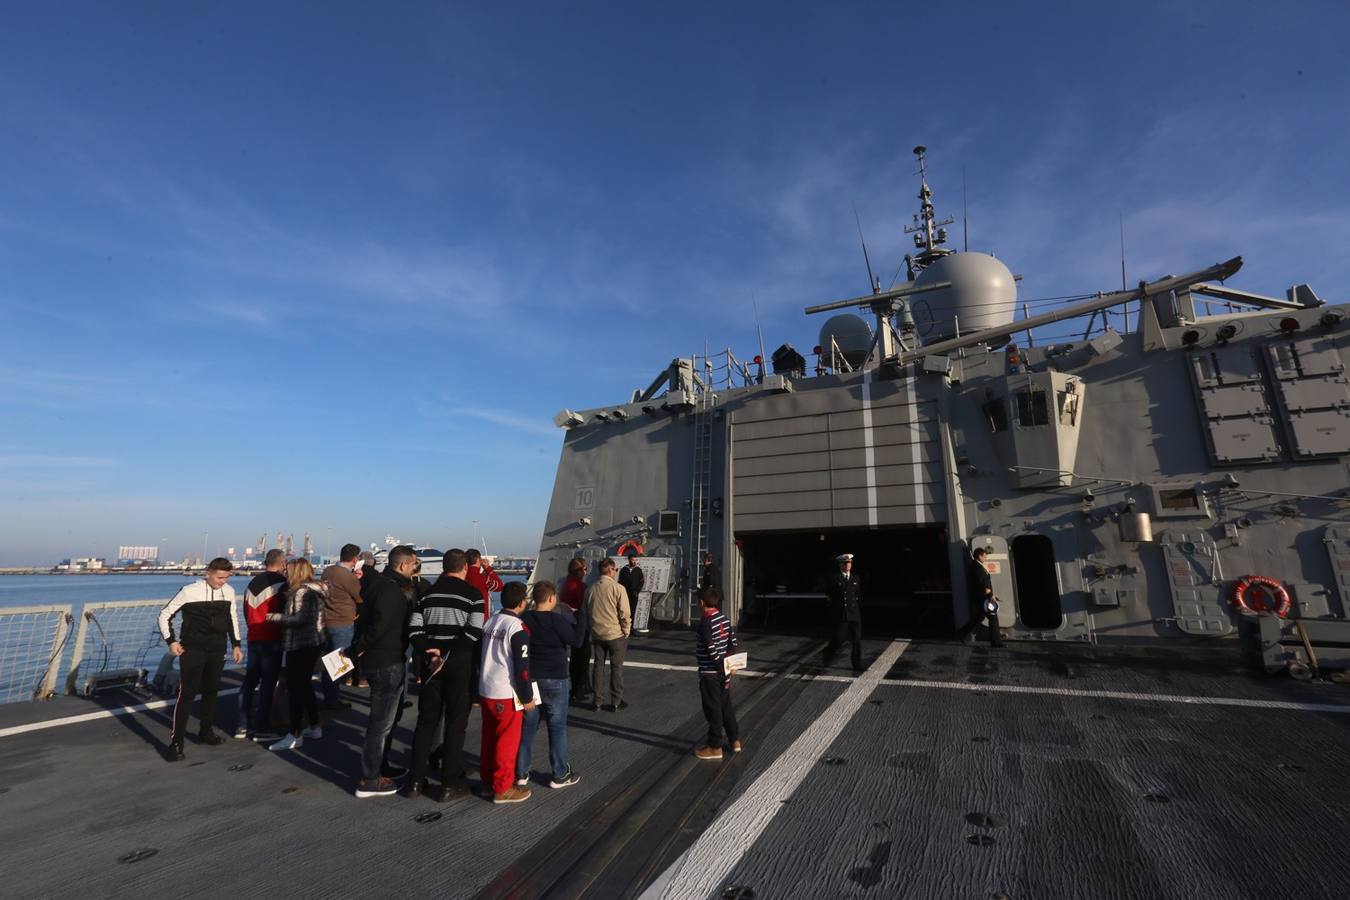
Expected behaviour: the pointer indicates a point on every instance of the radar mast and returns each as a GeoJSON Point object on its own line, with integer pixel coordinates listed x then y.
{"type": "Point", "coordinates": [929, 233]}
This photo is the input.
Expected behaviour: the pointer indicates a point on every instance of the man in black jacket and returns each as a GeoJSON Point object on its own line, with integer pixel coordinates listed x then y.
{"type": "Point", "coordinates": [845, 595]}
{"type": "Point", "coordinates": [711, 577]}
{"type": "Point", "coordinates": [632, 579]}
{"type": "Point", "coordinates": [446, 630]}
{"type": "Point", "coordinates": [981, 588]}
{"type": "Point", "coordinates": [381, 645]}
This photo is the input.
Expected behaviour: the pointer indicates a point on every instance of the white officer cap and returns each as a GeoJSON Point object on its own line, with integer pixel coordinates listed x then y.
{"type": "Point", "coordinates": [844, 557]}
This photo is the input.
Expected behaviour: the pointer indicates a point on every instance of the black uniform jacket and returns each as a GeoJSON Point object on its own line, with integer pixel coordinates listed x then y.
{"type": "Point", "coordinates": [981, 585]}
{"type": "Point", "coordinates": [845, 595]}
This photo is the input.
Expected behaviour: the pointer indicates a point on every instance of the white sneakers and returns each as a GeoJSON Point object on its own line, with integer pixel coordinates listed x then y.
{"type": "Point", "coordinates": [288, 742]}
{"type": "Point", "coordinates": [296, 741]}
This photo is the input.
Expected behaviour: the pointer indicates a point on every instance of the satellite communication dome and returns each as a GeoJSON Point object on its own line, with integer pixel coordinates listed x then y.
{"type": "Point", "coordinates": [851, 334]}
{"type": "Point", "coordinates": [983, 295]}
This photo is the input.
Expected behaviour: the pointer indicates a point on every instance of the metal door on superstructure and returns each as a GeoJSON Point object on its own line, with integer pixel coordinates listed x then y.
{"type": "Point", "coordinates": [865, 455]}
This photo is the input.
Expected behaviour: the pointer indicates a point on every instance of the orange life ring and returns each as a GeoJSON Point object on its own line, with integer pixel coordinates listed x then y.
{"type": "Point", "coordinates": [1256, 604]}
{"type": "Point", "coordinates": [629, 546]}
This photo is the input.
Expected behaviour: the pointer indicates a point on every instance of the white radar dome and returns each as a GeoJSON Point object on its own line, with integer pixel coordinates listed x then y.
{"type": "Point", "coordinates": [983, 295]}
{"type": "Point", "coordinates": [851, 334]}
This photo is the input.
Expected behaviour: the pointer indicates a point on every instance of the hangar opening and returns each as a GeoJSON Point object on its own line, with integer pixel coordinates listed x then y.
{"type": "Point", "coordinates": [906, 583]}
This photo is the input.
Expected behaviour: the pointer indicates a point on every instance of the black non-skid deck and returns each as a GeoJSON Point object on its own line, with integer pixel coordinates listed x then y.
{"type": "Point", "coordinates": [1092, 779]}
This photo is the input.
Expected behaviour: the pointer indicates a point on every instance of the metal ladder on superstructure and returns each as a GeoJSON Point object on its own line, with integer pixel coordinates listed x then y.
{"type": "Point", "coordinates": [705, 401]}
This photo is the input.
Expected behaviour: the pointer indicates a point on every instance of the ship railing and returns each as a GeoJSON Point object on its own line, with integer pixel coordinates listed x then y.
{"type": "Point", "coordinates": [117, 643]}
{"type": "Point", "coordinates": [32, 641]}
{"type": "Point", "coordinates": [723, 371]}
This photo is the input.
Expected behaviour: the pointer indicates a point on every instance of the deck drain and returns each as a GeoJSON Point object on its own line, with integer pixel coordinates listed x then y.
{"type": "Point", "coordinates": [424, 818]}
{"type": "Point", "coordinates": [1290, 767]}
{"type": "Point", "coordinates": [834, 760]}
{"type": "Point", "coordinates": [136, 856]}
{"type": "Point", "coordinates": [979, 740]}
{"type": "Point", "coordinates": [986, 820]}
{"type": "Point", "coordinates": [1157, 798]}
{"type": "Point", "coordinates": [979, 840]}
{"type": "Point", "coordinates": [241, 767]}
{"type": "Point", "coordinates": [1099, 718]}
{"type": "Point", "coordinates": [876, 702]}
{"type": "Point", "coordinates": [738, 892]}
{"type": "Point", "coordinates": [289, 790]}
{"type": "Point", "coordinates": [194, 765]}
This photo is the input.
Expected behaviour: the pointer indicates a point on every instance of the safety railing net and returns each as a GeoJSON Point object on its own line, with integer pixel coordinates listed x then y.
{"type": "Point", "coordinates": [32, 641]}
{"type": "Point", "coordinates": [120, 635]}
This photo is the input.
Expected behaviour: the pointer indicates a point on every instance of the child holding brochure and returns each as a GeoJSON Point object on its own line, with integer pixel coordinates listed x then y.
{"type": "Point", "coordinates": [716, 640]}
{"type": "Point", "coordinates": [507, 691]}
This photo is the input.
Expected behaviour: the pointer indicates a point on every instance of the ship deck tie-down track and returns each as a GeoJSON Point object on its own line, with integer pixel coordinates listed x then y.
{"type": "Point", "coordinates": [943, 771]}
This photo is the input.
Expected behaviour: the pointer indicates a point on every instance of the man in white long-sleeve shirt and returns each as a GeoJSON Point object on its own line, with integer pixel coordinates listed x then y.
{"type": "Point", "coordinates": [208, 613]}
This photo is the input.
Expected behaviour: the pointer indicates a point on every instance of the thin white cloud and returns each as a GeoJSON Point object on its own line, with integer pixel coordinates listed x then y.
{"type": "Point", "coordinates": [50, 461]}
{"type": "Point", "coordinates": [506, 420]}
{"type": "Point", "coordinates": [241, 312]}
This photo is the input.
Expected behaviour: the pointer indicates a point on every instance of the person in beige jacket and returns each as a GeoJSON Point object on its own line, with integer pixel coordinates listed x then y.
{"type": "Point", "coordinates": [611, 622]}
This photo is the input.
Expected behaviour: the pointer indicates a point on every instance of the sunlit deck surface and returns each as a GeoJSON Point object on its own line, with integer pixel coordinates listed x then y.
{"type": "Point", "coordinates": [1028, 772]}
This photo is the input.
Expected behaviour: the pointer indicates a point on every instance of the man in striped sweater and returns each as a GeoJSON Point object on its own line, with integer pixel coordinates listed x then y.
{"type": "Point", "coordinates": [715, 641]}
{"type": "Point", "coordinates": [445, 630]}
{"type": "Point", "coordinates": [207, 607]}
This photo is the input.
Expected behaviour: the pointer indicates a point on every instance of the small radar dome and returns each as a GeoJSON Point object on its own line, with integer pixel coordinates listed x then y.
{"type": "Point", "coordinates": [983, 295]}
{"type": "Point", "coordinates": [851, 334]}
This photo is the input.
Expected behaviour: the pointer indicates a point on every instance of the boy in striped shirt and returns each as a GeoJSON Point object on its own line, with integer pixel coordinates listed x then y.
{"type": "Point", "coordinates": [716, 640]}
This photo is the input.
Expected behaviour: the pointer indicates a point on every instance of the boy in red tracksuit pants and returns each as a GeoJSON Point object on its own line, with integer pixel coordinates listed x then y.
{"type": "Point", "coordinates": [504, 684]}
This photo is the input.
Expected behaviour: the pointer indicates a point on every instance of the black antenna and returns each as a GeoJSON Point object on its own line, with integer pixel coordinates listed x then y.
{"type": "Point", "coordinates": [965, 226]}
{"type": "Point", "coordinates": [872, 284]}
{"type": "Point", "coordinates": [1126, 308]}
{"type": "Point", "coordinates": [760, 331]}
{"type": "Point", "coordinates": [1123, 286]}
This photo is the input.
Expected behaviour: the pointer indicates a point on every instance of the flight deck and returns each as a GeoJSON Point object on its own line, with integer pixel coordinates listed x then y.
{"type": "Point", "coordinates": [1036, 770]}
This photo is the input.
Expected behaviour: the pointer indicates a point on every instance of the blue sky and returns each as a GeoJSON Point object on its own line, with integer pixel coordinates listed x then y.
{"type": "Point", "coordinates": [309, 266]}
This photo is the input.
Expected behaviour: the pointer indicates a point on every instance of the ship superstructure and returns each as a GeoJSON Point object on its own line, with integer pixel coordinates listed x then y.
{"type": "Point", "coordinates": [1122, 484]}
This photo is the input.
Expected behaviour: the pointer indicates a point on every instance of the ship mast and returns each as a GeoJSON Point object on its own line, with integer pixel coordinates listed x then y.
{"type": "Point", "coordinates": [929, 233]}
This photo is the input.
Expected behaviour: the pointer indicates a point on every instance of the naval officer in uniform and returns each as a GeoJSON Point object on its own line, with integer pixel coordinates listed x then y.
{"type": "Point", "coordinates": [845, 596]}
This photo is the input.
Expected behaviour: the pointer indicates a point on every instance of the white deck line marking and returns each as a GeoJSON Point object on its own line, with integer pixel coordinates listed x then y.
{"type": "Point", "coordinates": [1187, 699]}
{"type": "Point", "coordinates": [670, 667]}
{"type": "Point", "coordinates": [916, 463]}
{"type": "Point", "coordinates": [869, 450]}
{"type": "Point", "coordinates": [743, 673]}
{"type": "Point", "coordinates": [702, 868]}
{"type": "Point", "coordinates": [92, 716]}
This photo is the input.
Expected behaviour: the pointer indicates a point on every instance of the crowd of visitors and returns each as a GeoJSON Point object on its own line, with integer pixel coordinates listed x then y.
{"type": "Point", "coordinates": [521, 664]}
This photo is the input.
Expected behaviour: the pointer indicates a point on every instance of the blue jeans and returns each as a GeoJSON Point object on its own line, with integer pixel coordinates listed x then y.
{"type": "Point", "coordinates": [339, 638]}
{"type": "Point", "coordinates": [264, 667]}
{"type": "Point", "coordinates": [386, 708]}
{"type": "Point", "coordinates": [553, 704]}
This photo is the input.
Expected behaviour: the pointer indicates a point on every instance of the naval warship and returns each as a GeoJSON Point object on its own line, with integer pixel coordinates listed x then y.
{"type": "Point", "coordinates": [1163, 510]}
